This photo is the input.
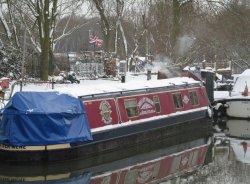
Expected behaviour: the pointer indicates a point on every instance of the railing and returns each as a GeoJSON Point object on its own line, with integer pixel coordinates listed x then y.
{"type": "Point", "coordinates": [116, 94]}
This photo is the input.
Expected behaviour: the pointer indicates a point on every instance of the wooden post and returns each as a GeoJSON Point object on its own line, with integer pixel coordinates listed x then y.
{"type": "Point", "coordinates": [149, 75]}
{"type": "Point", "coordinates": [210, 85]}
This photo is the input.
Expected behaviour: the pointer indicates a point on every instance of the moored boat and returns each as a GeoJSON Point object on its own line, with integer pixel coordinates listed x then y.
{"type": "Point", "coordinates": [238, 103]}
{"type": "Point", "coordinates": [51, 126]}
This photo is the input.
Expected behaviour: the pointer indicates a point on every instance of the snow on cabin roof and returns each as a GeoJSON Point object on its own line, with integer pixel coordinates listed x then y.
{"type": "Point", "coordinates": [241, 81]}
{"type": "Point", "coordinates": [223, 69]}
{"type": "Point", "coordinates": [197, 68]}
{"type": "Point", "coordinates": [191, 68]}
{"type": "Point", "coordinates": [207, 70]}
{"type": "Point", "coordinates": [246, 72]}
{"type": "Point", "coordinates": [82, 90]}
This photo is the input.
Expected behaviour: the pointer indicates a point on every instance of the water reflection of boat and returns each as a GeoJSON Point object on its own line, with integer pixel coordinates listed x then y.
{"type": "Point", "coordinates": [238, 128]}
{"type": "Point", "coordinates": [241, 150]}
{"type": "Point", "coordinates": [161, 164]}
{"type": "Point", "coordinates": [239, 138]}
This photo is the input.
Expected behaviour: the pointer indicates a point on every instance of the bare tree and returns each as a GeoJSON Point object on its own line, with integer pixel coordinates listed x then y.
{"type": "Point", "coordinates": [40, 19]}
{"type": "Point", "coordinates": [6, 15]}
{"type": "Point", "coordinates": [221, 33]}
{"type": "Point", "coordinates": [105, 24]}
{"type": "Point", "coordinates": [120, 11]}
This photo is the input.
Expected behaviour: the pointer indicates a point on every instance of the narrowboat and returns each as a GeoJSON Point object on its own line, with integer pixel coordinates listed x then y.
{"type": "Point", "coordinates": [93, 120]}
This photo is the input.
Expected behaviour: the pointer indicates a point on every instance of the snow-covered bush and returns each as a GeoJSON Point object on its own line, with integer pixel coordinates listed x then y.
{"type": "Point", "coordinates": [10, 63]}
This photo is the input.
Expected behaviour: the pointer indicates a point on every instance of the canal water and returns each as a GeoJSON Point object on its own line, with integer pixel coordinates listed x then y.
{"type": "Point", "coordinates": [231, 157]}
{"type": "Point", "coordinates": [226, 161]}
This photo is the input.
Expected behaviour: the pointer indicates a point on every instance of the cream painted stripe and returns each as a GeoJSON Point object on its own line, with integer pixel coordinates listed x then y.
{"type": "Point", "coordinates": [21, 148]}
{"type": "Point", "coordinates": [58, 176]}
{"type": "Point", "coordinates": [58, 146]}
{"type": "Point", "coordinates": [34, 148]}
{"type": "Point", "coordinates": [21, 179]}
{"type": "Point", "coordinates": [35, 178]}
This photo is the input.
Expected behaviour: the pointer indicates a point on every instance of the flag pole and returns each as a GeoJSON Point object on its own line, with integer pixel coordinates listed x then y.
{"type": "Point", "coordinates": [94, 48]}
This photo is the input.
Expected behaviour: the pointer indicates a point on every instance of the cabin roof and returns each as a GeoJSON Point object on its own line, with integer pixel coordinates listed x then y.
{"type": "Point", "coordinates": [131, 86]}
{"type": "Point", "coordinates": [246, 72]}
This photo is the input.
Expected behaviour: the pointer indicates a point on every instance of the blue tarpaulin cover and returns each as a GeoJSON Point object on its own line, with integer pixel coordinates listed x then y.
{"type": "Point", "coordinates": [43, 118]}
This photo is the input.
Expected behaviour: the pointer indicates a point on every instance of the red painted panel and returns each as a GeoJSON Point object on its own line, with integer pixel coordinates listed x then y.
{"type": "Point", "coordinates": [186, 100]}
{"type": "Point", "coordinates": [202, 155]}
{"type": "Point", "coordinates": [145, 105]}
{"type": "Point", "coordinates": [166, 166]}
{"type": "Point", "coordinates": [204, 96]}
{"type": "Point", "coordinates": [101, 112]}
{"type": "Point", "coordinates": [185, 159]}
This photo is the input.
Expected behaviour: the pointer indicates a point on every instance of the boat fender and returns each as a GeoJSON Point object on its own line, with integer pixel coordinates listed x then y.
{"type": "Point", "coordinates": [217, 106]}
{"type": "Point", "coordinates": [226, 105]}
{"type": "Point", "coordinates": [210, 112]}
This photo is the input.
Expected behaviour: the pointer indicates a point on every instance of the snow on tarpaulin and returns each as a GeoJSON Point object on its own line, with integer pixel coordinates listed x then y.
{"type": "Point", "coordinates": [43, 118]}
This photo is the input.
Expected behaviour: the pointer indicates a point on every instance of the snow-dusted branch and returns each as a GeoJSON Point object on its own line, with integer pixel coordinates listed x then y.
{"type": "Point", "coordinates": [137, 41]}
{"type": "Point", "coordinates": [35, 44]}
{"type": "Point", "coordinates": [13, 24]}
{"type": "Point", "coordinates": [65, 34]}
{"type": "Point", "coordinates": [5, 25]}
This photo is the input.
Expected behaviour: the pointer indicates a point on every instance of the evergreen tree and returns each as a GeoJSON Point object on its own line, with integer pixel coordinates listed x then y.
{"type": "Point", "coordinates": [10, 62]}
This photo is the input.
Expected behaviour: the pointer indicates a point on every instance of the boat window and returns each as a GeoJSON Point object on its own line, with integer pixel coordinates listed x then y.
{"type": "Point", "coordinates": [177, 100]}
{"type": "Point", "coordinates": [193, 98]}
{"type": "Point", "coordinates": [131, 107]}
{"type": "Point", "coordinates": [157, 104]}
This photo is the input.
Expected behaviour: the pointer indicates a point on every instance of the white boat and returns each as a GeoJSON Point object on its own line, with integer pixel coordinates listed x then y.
{"type": "Point", "coordinates": [238, 103]}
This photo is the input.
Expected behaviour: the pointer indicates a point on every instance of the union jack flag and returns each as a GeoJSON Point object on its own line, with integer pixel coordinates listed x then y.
{"type": "Point", "coordinates": [95, 40]}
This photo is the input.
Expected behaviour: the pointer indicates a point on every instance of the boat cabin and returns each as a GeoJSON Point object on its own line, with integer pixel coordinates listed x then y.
{"type": "Point", "coordinates": [136, 105]}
